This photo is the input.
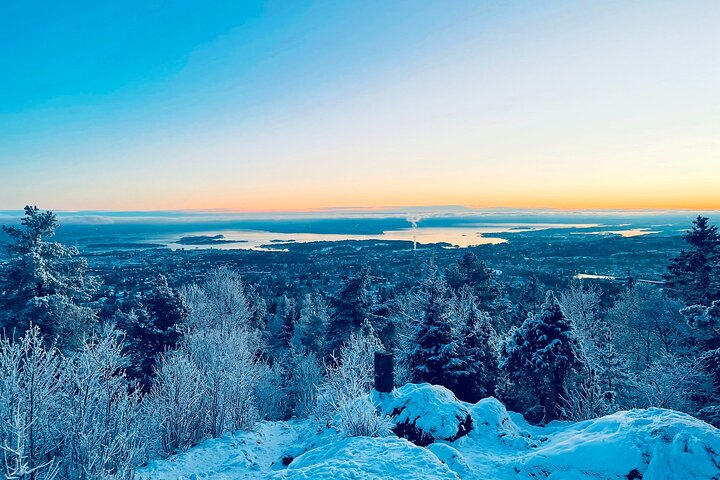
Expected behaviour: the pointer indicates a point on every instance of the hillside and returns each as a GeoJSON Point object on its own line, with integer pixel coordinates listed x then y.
{"type": "Point", "coordinates": [651, 444]}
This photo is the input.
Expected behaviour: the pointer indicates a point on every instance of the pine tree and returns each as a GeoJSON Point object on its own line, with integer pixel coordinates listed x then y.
{"type": "Point", "coordinates": [694, 275]}
{"type": "Point", "coordinates": [44, 283]}
{"type": "Point", "coordinates": [537, 357]}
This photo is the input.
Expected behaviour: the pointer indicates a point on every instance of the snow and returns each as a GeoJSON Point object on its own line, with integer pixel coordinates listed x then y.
{"type": "Point", "coordinates": [655, 443]}
{"type": "Point", "coordinates": [243, 455]}
{"type": "Point", "coordinates": [660, 444]}
{"type": "Point", "coordinates": [367, 458]}
{"type": "Point", "coordinates": [431, 409]}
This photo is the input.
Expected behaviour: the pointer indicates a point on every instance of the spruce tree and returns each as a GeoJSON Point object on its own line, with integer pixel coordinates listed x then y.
{"type": "Point", "coordinates": [537, 357]}
{"type": "Point", "coordinates": [154, 327]}
{"type": "Point", "coordinates": [310, 329]}
{"type": "Point", "coordinates": [433, 357]}
{"type": "Point", "coordinates": [694, 275]}
{"type": "Point", "coordinates": [352, 306]}
{"type": "Point", "coordinates": [471, 272]}
{"type": "Point", "coordinates": [281, 325]}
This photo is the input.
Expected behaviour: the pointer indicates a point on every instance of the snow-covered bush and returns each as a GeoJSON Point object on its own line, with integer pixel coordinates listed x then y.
{"type": "Point", "coordinates": [229, 365]}
{"type": "Point", "coordinates": [30, 400]}
{"type": "Point", "coordinates": [207, 387]}
{"type": "Point", "coordinates": [71, 417]}
{"type": "Point", "coordinates": [360, 418]}
{"type": "Point", "coordinates": [271, 392]}
{"type": "Point", "coordinates": [176, 401]}
{"type": "Point", "coordinates": [349, 378]}
{"type": "Point", "coordinates": [305, 379]}
{"type": "Point", "coordinates": [101, 422]}
{"type": "Point", "coordinates": [586, 401]}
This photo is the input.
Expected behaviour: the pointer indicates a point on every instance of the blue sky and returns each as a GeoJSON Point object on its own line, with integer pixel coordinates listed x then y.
{"type": "Point", "coordinates": [296, 105]}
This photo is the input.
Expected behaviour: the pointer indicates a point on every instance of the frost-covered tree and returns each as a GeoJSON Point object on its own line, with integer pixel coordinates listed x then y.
{"type": "Point", "coordinates": [476, 373]}
{"type": "Point", "coordinates": [537, 358]}
{"type": "Point", "coordinates": [220, 301]}
{"type": "Point", "coordinates": [603, 384]}
{"type": "Point", "coordinates": [102, 425]}
{"type": "Point", "coordinates": [646, 324]}
{"type": "Point", "coordinates": [30, 407]}
{"type": "Point", "coordinates": [581, 305]}
{"type": "Point", "coordinates": [311, 326]}
{"type": "Point", "coordinates": [694, 275]}
{"type": "Point", "coordinates": [44, 283]}
{"type": "Point", "coordinates": [672, 381]}
{"type": "Point", "coordinates": [434, 351]}
{"type": "Point", "coordinates": [604, 370]}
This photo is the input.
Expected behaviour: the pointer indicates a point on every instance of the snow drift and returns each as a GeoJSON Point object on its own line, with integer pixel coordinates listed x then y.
{"type": "Point", "coordinates": [652, 444]}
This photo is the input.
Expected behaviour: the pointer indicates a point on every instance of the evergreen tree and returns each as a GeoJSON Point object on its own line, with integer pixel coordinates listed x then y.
{"type": "Point", "coordinates": [44, 283]}
{"type": "Point", "coordinates": [154, 327]}
{"type": "Point", "coordinates": [352, 306]}
{"type": "Point", "coordinates": [610, 367]}
{"type": "Point", "coordinates": [694, 275]}
{"type": "Point", "coordinates": [434, 353]}
{"type": "Point", "coordinates": [537, 357]}
{"type": "Point", "coordinates": [282, 324]}
{"type": "Point", "coordinates": [529, 300]}
{"type": "Point", "coordinates": [470, 271]}
{"type": "Point", "coordinates": [477, 372]}
{"type": "Point", "coordinates": [706, 324]}
{"type": "Point", "coordinates": [480, 343]}
{"type": "Point", "coordinates": [312, 324]}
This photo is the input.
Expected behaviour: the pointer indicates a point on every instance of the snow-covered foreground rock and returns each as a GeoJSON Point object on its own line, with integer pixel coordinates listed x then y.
{"type": "Point", "coordinates": [650, 444]}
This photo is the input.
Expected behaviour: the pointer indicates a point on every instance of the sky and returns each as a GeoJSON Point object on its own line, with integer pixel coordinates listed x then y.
{"type": "Point", "coordinates": [295, 105]}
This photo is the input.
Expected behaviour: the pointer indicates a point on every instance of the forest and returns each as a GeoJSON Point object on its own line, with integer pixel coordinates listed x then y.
{"type": "Point", "coordinates": [106, 365]}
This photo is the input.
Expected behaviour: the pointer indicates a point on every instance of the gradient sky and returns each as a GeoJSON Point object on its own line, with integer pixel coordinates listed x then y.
{"type": "Point", "coordinates": [146, 105]}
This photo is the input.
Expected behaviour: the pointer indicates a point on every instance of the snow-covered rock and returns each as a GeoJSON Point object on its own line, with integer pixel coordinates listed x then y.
{"type": "Point", "coordinates": [424, 413]}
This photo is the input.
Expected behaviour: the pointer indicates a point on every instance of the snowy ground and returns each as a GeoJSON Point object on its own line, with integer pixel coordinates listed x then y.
{"type": "Point", "coordinates": [650, 444]}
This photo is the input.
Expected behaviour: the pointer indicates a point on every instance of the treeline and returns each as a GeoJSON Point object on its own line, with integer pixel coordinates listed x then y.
{"type": "Point", "coordinates": [91, 388]}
